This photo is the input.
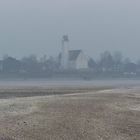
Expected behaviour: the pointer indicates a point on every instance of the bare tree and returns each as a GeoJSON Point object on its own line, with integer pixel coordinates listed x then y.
{"type": "Point", "coordinates": [106, 61]}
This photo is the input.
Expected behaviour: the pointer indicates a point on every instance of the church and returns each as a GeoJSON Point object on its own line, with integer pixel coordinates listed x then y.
{"type": "Point", "coordinates": [72, 59]}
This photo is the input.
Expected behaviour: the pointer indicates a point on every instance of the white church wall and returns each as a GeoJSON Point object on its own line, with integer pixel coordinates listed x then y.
{"type": "Point", "coordinates": [82, 61]}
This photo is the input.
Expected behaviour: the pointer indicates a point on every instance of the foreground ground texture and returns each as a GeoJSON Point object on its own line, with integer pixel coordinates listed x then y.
{"type": "Point", "coordinates": [86, 113]}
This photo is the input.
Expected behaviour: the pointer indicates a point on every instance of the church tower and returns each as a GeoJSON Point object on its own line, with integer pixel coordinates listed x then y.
{"type": "Point", "coordinates": [65, 52]}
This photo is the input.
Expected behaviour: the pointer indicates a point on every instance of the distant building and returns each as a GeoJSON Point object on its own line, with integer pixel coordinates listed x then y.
{"type": "Point", "coordinates": [77, 60]}
{"type": "Point", "coordinates": [72, 59]}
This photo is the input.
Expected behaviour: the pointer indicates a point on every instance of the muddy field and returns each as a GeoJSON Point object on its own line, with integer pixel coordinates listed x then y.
{"type": "Point", "coordinates": [70, 111]}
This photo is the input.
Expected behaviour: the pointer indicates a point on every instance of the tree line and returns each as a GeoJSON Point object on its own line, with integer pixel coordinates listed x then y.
{"type": "Point", "coordinates": [108, 65]}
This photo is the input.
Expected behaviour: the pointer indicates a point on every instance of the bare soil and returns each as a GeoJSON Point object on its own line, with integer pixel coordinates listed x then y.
{"type": "Point", "coordinates": [70, 113]}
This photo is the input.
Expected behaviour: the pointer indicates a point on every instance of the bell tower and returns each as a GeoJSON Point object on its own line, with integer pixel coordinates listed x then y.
{"type": "Point", "coordinates": [65, 52]}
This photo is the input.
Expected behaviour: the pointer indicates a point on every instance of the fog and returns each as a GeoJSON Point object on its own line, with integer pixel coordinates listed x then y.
{"type": "Point", "coordinates": [36, 26]}
{"type": "Point", "coordinates": [69, 69]}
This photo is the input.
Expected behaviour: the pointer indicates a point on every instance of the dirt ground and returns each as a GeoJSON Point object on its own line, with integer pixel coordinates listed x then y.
{"type": "Point", "coordinates": [74, 113]}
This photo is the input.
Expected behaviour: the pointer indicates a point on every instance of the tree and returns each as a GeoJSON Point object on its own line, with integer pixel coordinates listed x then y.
{"type": "Point", "coordinates": [117, 60]}
{"type": "Point", "coordinates": [106, 61]}
{"type": "Point", "coordinates": [92, 64]}
{"type": "Point", "coordinates": [117, 57]}
{"type": "Point", "coordinates": [129, 67]}
{"type": "Point", "coordinates": [52, 64]}
{"type": "Point", "coordinates": [11, 65]}
{"type": "Point", "coordinates": [30, 64]}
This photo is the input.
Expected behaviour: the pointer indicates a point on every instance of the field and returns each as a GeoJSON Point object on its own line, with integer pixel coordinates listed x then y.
{"type": "Point", "coordinates": [70, 110]}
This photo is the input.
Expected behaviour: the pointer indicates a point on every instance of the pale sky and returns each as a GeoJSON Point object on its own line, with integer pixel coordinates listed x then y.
{"type": "Point", "coordinates": [36, 26]}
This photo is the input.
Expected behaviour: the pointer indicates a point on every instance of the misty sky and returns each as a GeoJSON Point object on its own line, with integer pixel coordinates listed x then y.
{"type": "Point", "coordinates": [36, 26]}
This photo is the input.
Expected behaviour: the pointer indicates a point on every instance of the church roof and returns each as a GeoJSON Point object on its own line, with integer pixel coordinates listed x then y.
{"type": "Point", "coordinates": [73, 54]}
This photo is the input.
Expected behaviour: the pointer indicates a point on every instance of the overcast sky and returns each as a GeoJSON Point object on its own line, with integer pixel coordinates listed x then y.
{"type": "Point", "coordinates": [36, 26]}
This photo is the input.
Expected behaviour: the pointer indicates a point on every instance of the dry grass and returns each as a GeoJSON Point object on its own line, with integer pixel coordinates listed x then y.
{"type": "Point", "coordinates": [105, 114]}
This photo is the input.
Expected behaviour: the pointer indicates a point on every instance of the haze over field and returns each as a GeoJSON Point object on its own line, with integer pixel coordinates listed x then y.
{"type": "Point", "coordinates": [69, 70]}
{"type": "Point", "coordinates": [36, 26]}
{"type": "Point", "coordinates": [78, 110]}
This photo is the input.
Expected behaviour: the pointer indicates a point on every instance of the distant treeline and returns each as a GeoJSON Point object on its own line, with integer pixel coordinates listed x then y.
{"type": "Point", "coordinates": [107, 66]}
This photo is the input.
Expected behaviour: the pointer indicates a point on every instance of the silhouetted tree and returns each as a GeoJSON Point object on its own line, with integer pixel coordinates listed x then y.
{"type": "Point", "coordinates": [106, 61]}
{"type": "Point", "coordinates": [117, 57]}
{"type": "Point", "coordinates": [11, 65]}
{"type": "Point", "coordinates": [118, 62]}
{"type": "Point", "coordinates": [30, 64]}
{"type": "Point", "coordinates": [129, 67]}
{"type": "Point", "coordinates": [52, 64]}
{"type": "Point", "coordinates": [92, 64]}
